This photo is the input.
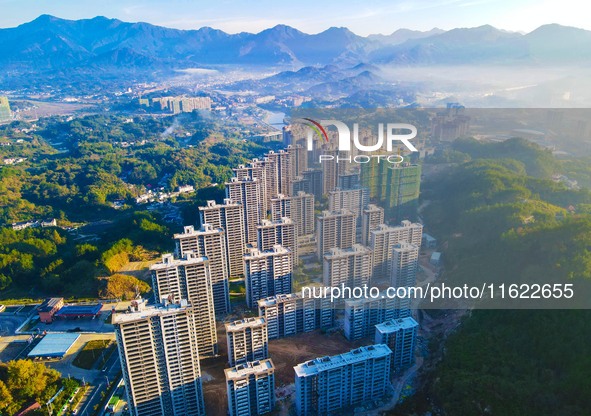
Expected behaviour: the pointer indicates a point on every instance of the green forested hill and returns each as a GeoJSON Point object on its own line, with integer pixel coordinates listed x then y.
{"type": "Point", "coordinates": [501, 219]}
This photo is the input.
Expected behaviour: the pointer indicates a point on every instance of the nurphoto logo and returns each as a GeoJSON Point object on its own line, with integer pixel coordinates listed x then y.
{"type": "Point", "coordinates": [393, 134]}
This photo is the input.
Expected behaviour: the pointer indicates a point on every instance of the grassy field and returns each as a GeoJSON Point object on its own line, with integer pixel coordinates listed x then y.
{"type": "Point", "coordinates": [93, 351]}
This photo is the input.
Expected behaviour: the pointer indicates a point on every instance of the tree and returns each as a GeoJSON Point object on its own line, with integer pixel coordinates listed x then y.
{"type": "Point", "coordinates": [122, 286]}
{"type": "Point", "coordinates": [5, 281]}
{"type": "Point", "coordinates": [6, 399]}
{"type": "Point", "coordinates": [26, 380]}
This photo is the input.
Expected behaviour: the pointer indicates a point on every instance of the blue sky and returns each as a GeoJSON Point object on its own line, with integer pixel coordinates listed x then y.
{"type": "Point", "coordinates": [311, 16]}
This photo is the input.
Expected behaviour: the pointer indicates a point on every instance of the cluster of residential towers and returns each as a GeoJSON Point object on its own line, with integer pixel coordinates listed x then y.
{"type": "Point", "coordinates": [257, 232]}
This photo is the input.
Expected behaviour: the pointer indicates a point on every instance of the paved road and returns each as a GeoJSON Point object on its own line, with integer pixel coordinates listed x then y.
{"type": "Point", "coordinates": [9, 323]}
{"type": "Point", "coordinates": [66, 366]}
{"type": "Point", "coordinates": [99, 383]}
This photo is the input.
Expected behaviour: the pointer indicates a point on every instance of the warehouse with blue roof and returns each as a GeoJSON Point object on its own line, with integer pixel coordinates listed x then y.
{"type": "Point", "coordinates": [54, 345]}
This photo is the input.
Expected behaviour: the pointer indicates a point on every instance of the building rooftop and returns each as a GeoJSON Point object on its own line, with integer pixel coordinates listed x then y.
{"type": "Point", "coordinates": [210, 204]}
{"type": "Point", "coordinates": [382, 297]}
{"type": "Point", "coordinates": [321, 364]}
{"type": "Point", "coordinates": [189, 231]}
{"type": "Point", "coordinates": [80, 310]}
{"type": "Point", "coordinates": [429, 237]}
{"type": "Point", "coordinates": [277, 249]}
{"type": "Point", "coordinates": [143, 312]}
{"type": "Point", "coordinates": [274, 300]}
{"type": "Point", "coordinates": [54, 345]}
{"type": "Point", "coordinates": [337, 213]}
{"type": "Point", "coordinates": [268, 223]}
{"type": "Point", "coordinates": [245, 323]}
{"type": "Point", "coordinates": [384, 228]}
{"type": "Point", "coordinates": [372, 207]}
{"type": "Point", "coordinates": [253, 367]}
{"type": "Point", "coordinates": [405, 246]}
{"type": "Point", "coordinates": [394, 325]}
{"type": "Point", "coordinates": [168, 260]}
{"type": "Point", "coordinates": [48, 304]}
{"type": "Point", "coordinates": [241, 180]}
{"type": "Point", "coordinates": [345, 252]}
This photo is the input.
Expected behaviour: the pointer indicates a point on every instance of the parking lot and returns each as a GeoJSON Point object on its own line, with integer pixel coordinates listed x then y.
{"type": "Point", "coordinates": [9, 323]}
{"type": "Point", "coordinates": [100, 324]}
{"type": "Point", "coordinates": [12, 346]}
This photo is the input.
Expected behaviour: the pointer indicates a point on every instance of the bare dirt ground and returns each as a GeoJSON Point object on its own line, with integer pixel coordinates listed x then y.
{"type": "Point", "coordinates": [46, 109]}
{"type": "Point", "coordinates": [289, 352]}
{"type": "Point", "coordinates": [285, 353]}
{"type": "Point", "coordinates": [139, 269]}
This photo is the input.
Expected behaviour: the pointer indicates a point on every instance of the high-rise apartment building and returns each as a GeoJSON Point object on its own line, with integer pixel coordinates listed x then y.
{"type": "Point", "coordinates": [298, 159]}
{"type": "Point", "coordinates": [251, 388]}
{"type": "Point", "coordinates": [230, 217]}
{"type": "Point", "coordinates": [328, 384]}
{"type": "Point", "coordinates": [354, 200]}
{"type": "Point", "coordinates": [335, 229]}
{"type": "Point", "coordinates": [400, 335]}
{"type": "Point", "coordinates": [299, 208]}
{"type": "Point", "coordinates": [248, 192]}
{"type": "Point", "coordinates": [278, 172]}
{"type": "Point", "coordinates": [362, 315]}
{"type": "Point", "coordinates": [382, 241]}
{"type": "Point", "coordinates": [211, 243]}
{"type": "Point", "coordinates": [405, 265]}
{"type": "Point", "coordinates": [189, 278]}
{"type": "Point", "coordinates": [247, 340]}
{"type": "Point", "coordinates": [310, 182]}
{"type": "Point", "coordinates": [395, 188]}
{"type": "Point", "coordinates": [348, 181]}
{"type": "Point", "coordinates": [331, 169]}
{"type": "Point", "coordinates": [160, 360]}
{"type": "Point", "coordinates": [255, 170]}
{"type": "Point", "coordinates": [283, 232]}
{"type": "Point", "coordinates": [371, 218]}
{"type": "Point", "coordinates": [268, 273]}
{"type": "Point", "coordinates": [350, 267]}
{"type": "Point", "coordinates": [292, 314]}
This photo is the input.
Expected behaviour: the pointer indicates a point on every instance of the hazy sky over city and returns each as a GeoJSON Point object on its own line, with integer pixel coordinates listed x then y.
{"type": "Point", "coordinates": [311, 16]}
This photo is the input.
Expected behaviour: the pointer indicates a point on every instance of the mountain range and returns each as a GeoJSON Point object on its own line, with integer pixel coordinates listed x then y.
{"type": "Point", "coordinates": [49, 43]}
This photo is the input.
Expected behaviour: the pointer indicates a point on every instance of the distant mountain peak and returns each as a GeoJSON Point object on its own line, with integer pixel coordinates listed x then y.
{"type": "Point", "coordinates": [50, 43]}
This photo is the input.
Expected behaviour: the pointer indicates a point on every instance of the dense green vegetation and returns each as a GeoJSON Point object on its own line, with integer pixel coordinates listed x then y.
{"type": "Point", "coordinates": [122, 286]}
{"type": "Point", "coordinates": [75, 169]}
{"type": "Point", "coordinates": [507, 362]}
{"type": "Point", "coordinates": [38, 261]}
{"type": "Point", "coordinates": [502, 220]}
{"type": "Point", "coordinates": [23, 382]}
{"type": "Point", "coordinates": [537, 161]}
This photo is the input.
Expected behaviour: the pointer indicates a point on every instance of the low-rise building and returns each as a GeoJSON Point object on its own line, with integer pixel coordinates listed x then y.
{"type": "Point", "coordinates": [49, 308]}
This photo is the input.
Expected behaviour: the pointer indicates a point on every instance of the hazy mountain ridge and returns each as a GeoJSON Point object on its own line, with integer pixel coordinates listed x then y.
{"type": "Point", "coordinates": [402, 35]}
{"type": "Point", "coordinates": [53, 44]}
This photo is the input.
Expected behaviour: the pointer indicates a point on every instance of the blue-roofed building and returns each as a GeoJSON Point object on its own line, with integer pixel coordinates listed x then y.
{"type": "Point", "coordinates": [435, 259]}
{"type": "Point", "coordinates": [429, 241]}
{"type": "Point", "coordinates": [54, 345]}
{"type": "Point", "coordinates": [79, 311]}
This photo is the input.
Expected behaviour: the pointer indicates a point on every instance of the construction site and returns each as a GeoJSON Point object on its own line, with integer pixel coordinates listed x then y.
{"type": "Point", "coordinates": [285, 353]}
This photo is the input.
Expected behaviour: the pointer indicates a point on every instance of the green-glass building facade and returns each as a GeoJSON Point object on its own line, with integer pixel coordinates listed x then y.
{"type": "Point", "coordinates": [395, 188]}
